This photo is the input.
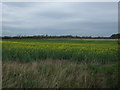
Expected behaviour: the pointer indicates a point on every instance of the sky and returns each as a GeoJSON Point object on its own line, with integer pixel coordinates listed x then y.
{"type": "Point", "coordinates": [59, 18]}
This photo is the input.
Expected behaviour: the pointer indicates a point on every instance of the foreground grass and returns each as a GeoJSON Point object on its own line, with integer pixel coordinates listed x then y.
{"type": "Point", "coordinates": [59, 74]}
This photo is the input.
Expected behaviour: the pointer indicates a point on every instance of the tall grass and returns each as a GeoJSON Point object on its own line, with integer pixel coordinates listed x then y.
{"type": "Point", "coordinates": [59, 74]}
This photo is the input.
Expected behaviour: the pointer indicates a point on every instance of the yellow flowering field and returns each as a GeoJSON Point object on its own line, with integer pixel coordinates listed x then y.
{"type": "Point", "coordinates": [78, 50]}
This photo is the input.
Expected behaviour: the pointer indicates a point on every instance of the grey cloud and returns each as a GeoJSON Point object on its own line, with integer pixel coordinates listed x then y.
{"type": "Point", "coordinates": [17, 4]}
{"type": "Point", "coordinates": [54, 15]}
{"type": "Point", "coordinates": [91, 19]}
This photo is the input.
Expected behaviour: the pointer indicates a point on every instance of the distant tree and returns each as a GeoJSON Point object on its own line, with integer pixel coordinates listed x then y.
{"type": "Point", "coordinates": [115, 36]}
{"type": "Point", "coordinates": [46, 35]}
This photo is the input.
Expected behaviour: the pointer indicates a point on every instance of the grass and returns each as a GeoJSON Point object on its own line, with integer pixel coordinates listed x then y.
{"type": "Point", "coordinates": [59, 63]}
{"type": "Point", "coordinates": [59, 74]}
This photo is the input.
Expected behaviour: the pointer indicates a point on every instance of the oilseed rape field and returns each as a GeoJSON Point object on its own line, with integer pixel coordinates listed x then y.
{"type": "Point", "coordinates": [57, 63]}
{"type": "Point", "coordinates": [90, 51]}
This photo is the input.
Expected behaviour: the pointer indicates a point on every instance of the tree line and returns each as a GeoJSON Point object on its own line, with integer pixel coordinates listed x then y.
{"type": "Point", "coordinates": [114, 36]}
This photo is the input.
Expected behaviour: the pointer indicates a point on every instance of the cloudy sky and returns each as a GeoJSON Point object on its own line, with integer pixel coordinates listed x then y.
{"type": "Point", "coordinates": [61, 18]}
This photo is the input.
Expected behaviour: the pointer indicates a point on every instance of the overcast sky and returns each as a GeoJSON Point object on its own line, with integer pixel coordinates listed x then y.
{"type": "Point", "coordinates": [67, 18]}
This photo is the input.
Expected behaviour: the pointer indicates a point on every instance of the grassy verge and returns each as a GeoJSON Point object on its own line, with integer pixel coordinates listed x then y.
{"type": "Point", "coordinates": [59, 74]}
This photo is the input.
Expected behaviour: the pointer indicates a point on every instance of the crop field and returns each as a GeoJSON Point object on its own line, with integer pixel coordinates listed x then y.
{"type": "Point", "coordinates": [78, 50]}
{"type": "Point", "coordinates": [59, 63]}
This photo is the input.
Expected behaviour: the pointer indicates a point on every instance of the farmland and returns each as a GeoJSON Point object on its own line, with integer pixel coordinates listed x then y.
{"type": "Point", "coordinates": [59, 63]}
